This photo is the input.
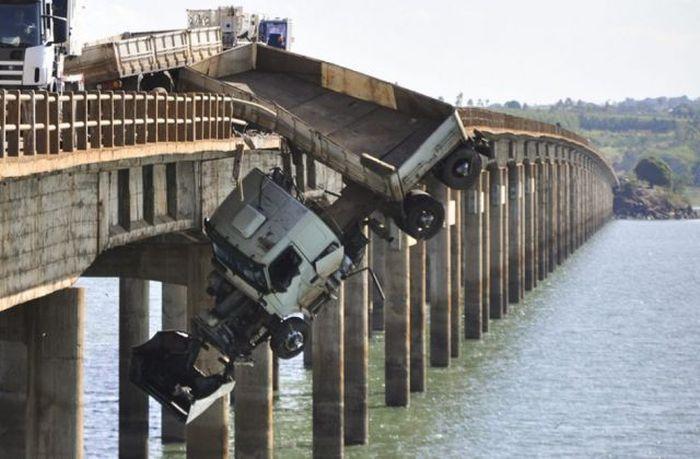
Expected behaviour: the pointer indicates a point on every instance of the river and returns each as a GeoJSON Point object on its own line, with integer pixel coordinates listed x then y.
{"type": "Point", "coordinates": [603, 359]}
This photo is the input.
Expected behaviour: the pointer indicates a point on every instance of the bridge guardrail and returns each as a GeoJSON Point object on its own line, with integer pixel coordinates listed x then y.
{"type": "Point", "coordinates": [43, 123]}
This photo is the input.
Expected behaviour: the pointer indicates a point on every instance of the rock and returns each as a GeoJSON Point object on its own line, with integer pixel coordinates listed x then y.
{"type": "Point", "coordinates": [636, 202]}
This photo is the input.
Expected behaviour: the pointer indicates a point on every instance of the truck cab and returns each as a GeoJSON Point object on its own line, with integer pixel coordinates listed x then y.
{"type": "Point", "coordinates": [34, 38]}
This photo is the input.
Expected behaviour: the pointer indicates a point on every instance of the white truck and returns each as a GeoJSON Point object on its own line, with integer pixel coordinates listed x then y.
{"type": "Point", "coordinates": [279, 258]}
{"type": "Point", "coordinates": [35, 38]}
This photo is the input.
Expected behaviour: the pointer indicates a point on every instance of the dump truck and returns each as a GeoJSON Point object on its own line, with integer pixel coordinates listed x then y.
{"type": "Point", "coordinates": [35, 38]}
{"type": "Point", "coordinates": [124, 61]}
{"type": "Point", "coordinates": [279, 258]}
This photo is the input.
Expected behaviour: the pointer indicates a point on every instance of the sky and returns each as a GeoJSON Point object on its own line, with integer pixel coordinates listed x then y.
{"type": "Point", "coordinates": [533, 51]}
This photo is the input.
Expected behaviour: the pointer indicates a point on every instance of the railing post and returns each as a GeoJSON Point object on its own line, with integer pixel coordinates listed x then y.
{"type": "Point", "coordinates": [3, 123]}
{"type": "Point", "coordinates": [96, 117]}
{"type": "Point", "coordinates": [42, 116]}
{"type": "Point", "coordinates": [108, 132]}
{"type": "Point", "coordinates": [14, 117]}
{"type": "Point", "coordinates": [82, 117]}
{"type": "Point", "coordinates": [142, 116]}
{"type": "Point", "coordinates": [70, 115]}
{"type": "Point", "coordinates": [29, 147]}
{"type": "Point", "coordinates": [151, 117]}
{"type": "Point", "coordinates": [55, 122]}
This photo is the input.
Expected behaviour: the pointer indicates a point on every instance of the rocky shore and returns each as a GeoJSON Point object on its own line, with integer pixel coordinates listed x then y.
{"type": "Point", "coordinates": [634, 201]}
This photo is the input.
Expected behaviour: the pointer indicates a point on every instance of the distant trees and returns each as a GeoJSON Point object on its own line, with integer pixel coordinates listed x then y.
{"type": "Point", "coordinates": [626, 123]}
{"type": "Point", "coordinates": [654, 171]}
{"type": "Point", "coordinates": [459, 100]}
{"type": "Point", "coordinates": [513, 105]}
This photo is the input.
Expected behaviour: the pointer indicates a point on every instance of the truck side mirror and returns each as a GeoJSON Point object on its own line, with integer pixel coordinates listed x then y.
{"type": "Point", "coordinates": [60, 30]}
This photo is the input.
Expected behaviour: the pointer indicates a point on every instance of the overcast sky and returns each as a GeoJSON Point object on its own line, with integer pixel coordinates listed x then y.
{"type": "Point", "coordinates": [536, 51]}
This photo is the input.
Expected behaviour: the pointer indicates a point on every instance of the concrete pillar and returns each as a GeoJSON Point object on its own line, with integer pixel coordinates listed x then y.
{"type": "Point", "coordinates": [515, 227]}
{"type": "Point", "coordinates": [379, 248]}
{"type": "Point", "coordinates": [133, 402]}
{"type": "Point", "coordinates": [56, 338]}
{"type": "Point", "coordinates": [542, 219]}
{"type": "Point", "coordinates": [275, 376]}
{"type": "Point", "coordinates": [440, 288]}
{"type": "Point", "coordinates": [14, 376]}
{"type": "Point", "coordinates": [208, 435]}
{"type": "Point", "coordinates": [505, 278]}
{"type": "Point", "coordinates": [356, 357]}
{"type": "Point", "coordinates": [497, 242]}
{"type": "Point", "coordinates": [457, 293]}
{"type": "Point", "coordinates": [396, 322]}
{"type": "Point", "coordinates": [418, 315]}
{"type": "Point", "coordinates": [473, 261]}
{"type": "Point", "coordinates": [174, 317]}
{"type": "Point", "coordinates": [563, 212]}
{"type": "Point", "coordinates": [253, 426]}
{"type": "Point", "coordinates": [308, 350]}
{"type": "Point", "coordinates": [572, 207]}
{"type": "Point", "coordinates": [485, 250]}
{"type": "Point", "coordinates": [530, 223]}
{"type": "Point", "coordinates": [328, 384]}
{"type": "Point", "coordinates": [552, 210]}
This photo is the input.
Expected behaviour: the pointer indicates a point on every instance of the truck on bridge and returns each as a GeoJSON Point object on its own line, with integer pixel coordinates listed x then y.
{"type": "Point", "coordinates": [278, 257]}
{"type": "Point", "coordinates": [35, 38]}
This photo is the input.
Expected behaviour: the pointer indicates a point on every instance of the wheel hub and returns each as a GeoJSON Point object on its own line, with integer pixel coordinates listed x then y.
{"type": "Point", "coordinates": [426, 219]}
{"type": "Point", "coordinates": [462, 168]}
{"type": "Point", "coordinates": [294, 341]}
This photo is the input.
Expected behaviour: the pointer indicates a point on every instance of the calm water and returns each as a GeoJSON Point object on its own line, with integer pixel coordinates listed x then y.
{"type": "Point", "coordinates": [602, 360]}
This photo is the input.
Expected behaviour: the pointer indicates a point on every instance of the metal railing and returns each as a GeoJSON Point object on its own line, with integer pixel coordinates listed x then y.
{"type": "Point", "coordinates": [43, 123]}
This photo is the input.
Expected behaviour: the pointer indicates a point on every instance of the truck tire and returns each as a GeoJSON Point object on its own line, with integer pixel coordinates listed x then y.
{"type": "Point", "coordinates": [461, 169]}
{"type": "Point", "coordinates": [289, 337]}
{"type": "Point", "coordinates": [422, 216]}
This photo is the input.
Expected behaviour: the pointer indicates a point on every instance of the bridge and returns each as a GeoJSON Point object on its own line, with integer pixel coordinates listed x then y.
{"type": "Point", "coordinates": [117, 184]}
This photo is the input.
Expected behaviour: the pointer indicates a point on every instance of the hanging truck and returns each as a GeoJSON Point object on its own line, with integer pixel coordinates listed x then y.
{"type": "Point", "coordinates": [277, 257]}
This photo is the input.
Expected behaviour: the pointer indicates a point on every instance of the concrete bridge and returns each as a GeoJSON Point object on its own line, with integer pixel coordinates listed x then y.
{"type": "Point", "coordinates": [118, 184]}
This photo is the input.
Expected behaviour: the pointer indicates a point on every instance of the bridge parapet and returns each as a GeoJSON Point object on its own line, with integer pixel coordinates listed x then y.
{"type": "Point", "coordinates": [43, 125]}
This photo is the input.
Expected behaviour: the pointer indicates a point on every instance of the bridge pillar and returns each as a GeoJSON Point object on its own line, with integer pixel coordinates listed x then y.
{"type": "Point", "coordinates": [505, 278]}
{"type": "Point", "coordinates": [542, 219]}
{"type": "Point", "coordinates": [515, 228]}
{"type": "Point", "coordinates": [253, 426]}
{"type": "Point", "coordinates": [572, 206]}
{"type": "Point", "coordinates": [563, 211]}
{"type": "Point", "coordinates": [133, 402]}
{"type": "Point", "coordinates": [497, 237]}
{"type": "Point", "coordinates": [439, 286]}
{"type": "Point", "coordinates": [174, 317]}
{"type": "Point", "coordinates": [396, 322]}
{"type": "Point", "coordinates": [356, 357]}
{"type": "Point", "coordinates": [328, 380]}
{"type": "Point", "coordinates": [379, 249]}
{"type": "Point", "coordinates": [473, 261]}
{"type": "Point", "coordinates": [485, 250]}
{"type": "Point", "coordinates": [530, 222]}
{"type": "Point", "coordinates": [418, 315]}
{"type": "Point", "coordinates": [308, 356]}
{"type": "Point", "coordinates": [456, 294]}
{"type": "Point", "coordinates": [14, 374]}
{"type": "Point", "coordinates": [552, 209]}
{"type": "Point", "coordinates": [208, 435]}
{"type": "Point", "coordinates": [56, 337]}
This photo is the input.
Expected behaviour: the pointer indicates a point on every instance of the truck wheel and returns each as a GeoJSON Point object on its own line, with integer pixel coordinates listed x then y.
{"type": "Point", "coordinates": [461, 169]}
{"type": "Point", "coordinates": [422, 216]}
{"type": "Point", "coordinates": [289, 338]}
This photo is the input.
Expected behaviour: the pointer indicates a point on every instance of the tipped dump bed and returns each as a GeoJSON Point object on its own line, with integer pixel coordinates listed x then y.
{"type": "Point", "coordinates": [352, 112]}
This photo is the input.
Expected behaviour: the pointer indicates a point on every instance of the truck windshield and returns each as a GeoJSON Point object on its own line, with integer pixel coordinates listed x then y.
{"type": "Point", "coordinates": [19, 25]}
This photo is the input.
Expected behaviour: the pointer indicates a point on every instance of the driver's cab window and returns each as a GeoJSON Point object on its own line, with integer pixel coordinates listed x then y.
{"type": "Point", "coordinates": [284, 269]}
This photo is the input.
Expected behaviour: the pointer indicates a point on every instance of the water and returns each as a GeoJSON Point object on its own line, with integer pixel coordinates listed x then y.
{"type": "Point", "coordinates": [602, 360]}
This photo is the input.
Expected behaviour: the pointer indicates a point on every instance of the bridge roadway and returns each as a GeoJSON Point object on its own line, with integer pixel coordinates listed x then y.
{"type": "Point", "coordinates": [117, 184]}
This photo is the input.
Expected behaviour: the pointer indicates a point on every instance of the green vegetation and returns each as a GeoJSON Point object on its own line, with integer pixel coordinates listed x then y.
{"type": "Point", "coordinates": [628, 131]}
{"type": "Point", "coordinates": [654, 171]}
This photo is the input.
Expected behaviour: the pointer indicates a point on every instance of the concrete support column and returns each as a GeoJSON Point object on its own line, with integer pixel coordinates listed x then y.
{"type": "Point", "coordinates": [505, 279]}
{"type": "Point", "coordinates": [456, 294]}
{"type": "Point", "coordinates": [473, 261]}
{"type": "Point", "coordinates": [563, 212]}
{"type": "Point", "coordinates": [515, 228]}
{"type": "Point", "coordinates": [208, 435]}
{"type": "Point", "coordinates": [396, 322]}
{"type": "Point", "coordinates": [552, 209]}
{"type": "Point", "coordinates": [485, 250]}
{"type": "Point", "coordinates": [356, 357]}
{"type": "Point", "coordinates": [572, 208]}
{"type": "Point", "coordinates": [418, 315]}
{"type": "Point", "coordinates": [440, 288]}
{"type": "Point", "coordinates": [542, 221]}
{"type": "Point", "coordinates": [13, 382]}
{"type": "Point", "coordinates": [497, 208]}
{"type": "Point", "coordinates": [530, 223]}
{"type": "Point", "coordinates": [56, 338]}
{"type": "Point", "coordinates": [308, 350]}
{"type": "Point", "coordinates": [328, 380]}
{"type": "Point", "coordinates": [379, 249]}
{"type": "Point", "coordinates": [174, 317]}
{"type": "Point", "coordinates": [133, 402]}
{"type": "Point", "coordinates": [253, 436]}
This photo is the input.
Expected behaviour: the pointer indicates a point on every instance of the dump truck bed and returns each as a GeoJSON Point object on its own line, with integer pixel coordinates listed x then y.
{"type": "Point", "coordinates": [373, 132]}
{"type": "Point", "coordinates": [132, 54]}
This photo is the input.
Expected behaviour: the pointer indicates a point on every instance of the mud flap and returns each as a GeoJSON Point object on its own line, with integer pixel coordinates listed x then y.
{"type": "Point", "coordinates": [177, 370]}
